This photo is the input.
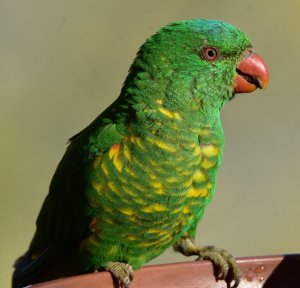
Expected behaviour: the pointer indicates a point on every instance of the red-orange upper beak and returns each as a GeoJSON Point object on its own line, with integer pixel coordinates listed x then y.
{"type": "Point", "coordinates": [251, 73]}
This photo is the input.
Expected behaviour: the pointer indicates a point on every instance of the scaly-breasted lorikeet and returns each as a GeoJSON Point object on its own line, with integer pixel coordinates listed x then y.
{"type": "Point", "coordinates": [138, 178]}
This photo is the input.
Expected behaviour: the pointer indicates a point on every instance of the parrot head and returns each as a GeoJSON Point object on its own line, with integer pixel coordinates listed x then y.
{"type": "Point", "coordinates": [202, 59]}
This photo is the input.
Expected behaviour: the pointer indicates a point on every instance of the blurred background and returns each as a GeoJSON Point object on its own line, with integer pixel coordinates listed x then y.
{"type": "Point", "coordinates": [62, 62]}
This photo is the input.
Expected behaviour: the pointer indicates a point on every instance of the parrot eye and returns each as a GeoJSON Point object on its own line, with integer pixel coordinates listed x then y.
{"type": "Point", "coordinates": [209, 53]}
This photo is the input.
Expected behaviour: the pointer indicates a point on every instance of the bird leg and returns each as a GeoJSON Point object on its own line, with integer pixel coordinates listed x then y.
{"type": "Point", "coordinates": [225, 266]}
{"type": "Point", "coordinates": [122, 271]}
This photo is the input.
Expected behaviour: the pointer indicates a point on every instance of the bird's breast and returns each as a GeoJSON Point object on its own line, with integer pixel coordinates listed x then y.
{"type": "Point", "coordinates": [151, 189]}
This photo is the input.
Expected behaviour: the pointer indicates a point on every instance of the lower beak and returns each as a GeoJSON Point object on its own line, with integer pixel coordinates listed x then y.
{"type": "Point", "coordinates": [251, 73]}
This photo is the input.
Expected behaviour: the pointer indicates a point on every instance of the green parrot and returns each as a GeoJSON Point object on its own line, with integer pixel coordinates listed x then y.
{"type": "Point", "coordinates": [138, 178]}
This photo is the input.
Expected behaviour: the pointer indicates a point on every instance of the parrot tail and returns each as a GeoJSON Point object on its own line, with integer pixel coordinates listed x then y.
{"type": "Point", "coordinates": [29, 271]}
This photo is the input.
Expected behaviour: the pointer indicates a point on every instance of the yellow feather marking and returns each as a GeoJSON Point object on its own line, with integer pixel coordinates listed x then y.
{"type": "Point", "coordinates": [153, 163]}
{"type": "Point", "coordinates": [160, 232]}
{"type": "Point", "coordinates": [166, 234]}
{"type": "Point", "coordinates": [147, 244]}
{"type": "Point", "coordinates": [154, 208]}
{"type": "Point", "coordinates": [192, 145]}
{"type": "Point", "coordinates": [185, 172]}
{"type": "Point", "coordinates": [171, 180]}
{"type": "Point", "coordinates": [152, 176]}
{"type": "Point", "coordinates": [128, 191]}
{"type": "Point", "coordinates": [195, 162]}
{"type": "Point", "coordinates": [96, 162]}
{"type": "Point", "coordinates": [175, 211]}
{"type": "Point", "coordinates": [177, 116]}
{"type": "Point", "coordinates": [186, 209]}
{"type": "Point", "coordinates": [130, 172]}
{"type": "Point", "coordinates": [205, 132]}
{"type": "Point", "coordinates": [132, 219]}
{"type": "Point", "coordinates": [104, 168]}
{"type": "Point", "coordinates": [159, 101]}
{"type": "Point", "coordinates": [123, 179]}
{"type": "Point", "coordinates": [154, 230]}
{"type": "Point", "coordinates": [131, 237]}
{"type": "Point", "coordinates": [166, 112]}
{"type": "Point", "coordinates": [206, 164]}
{"type": "Point", "coordinates": [160, 191]}
{"type": "Point", "coordinates": [126, 211]}
{"type": "Point", "coordinates": [210, 150]}
{"type": "Point", "coordinates": [161, 144]}
{"type": "Point", "coordinates": [118, 164]}
{"type": "Point", "coordinates": [192, 192]}
{"type": "Point", "coordinates": [199, 176]}
{"type": "Point", "coordinates": [98, 187]}
{"type": "Point", "coordinates": [113, 154]}
{"type": "Point", "coordinates": [132, 138]}
{"type": "Point", "coordinates": [140, 201]}
{"type": "Point", "coordinates": [113, 187]}
{"type": "Point", "coordinates": [109, 221]}
{"type": "Point", "coordinates": [197, 151]}
{"type": "Point", "coordinates": [140, 143]}
{"type": "Point", "coordinates": [114, 150]}
{"type": "Point", "coordinates": [156, 184]}
{"type": "Point", "coordinates": [204, 192]}
{"type": "Point", "coordinates": [93, 239]}
{"type": "Point", "coordinates": [165, 238]}
{"type": "Point", "coordinates": [138, 186]}
{"type": "Point", "coordinates": [113, 250]}
{"type": "Point", "coordinates": [126, 152]}
{"type": "Point", "coordinates": [188, 183]}
{"type": "Point", "coordinates": [107, 209]}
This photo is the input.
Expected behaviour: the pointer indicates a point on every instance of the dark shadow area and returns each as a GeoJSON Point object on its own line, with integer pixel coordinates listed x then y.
{"type": "Point", "coordinates": [286, 274]}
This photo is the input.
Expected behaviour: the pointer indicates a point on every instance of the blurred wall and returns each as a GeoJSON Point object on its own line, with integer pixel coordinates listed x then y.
{"type": "Point", "coordinates": [62, 62]}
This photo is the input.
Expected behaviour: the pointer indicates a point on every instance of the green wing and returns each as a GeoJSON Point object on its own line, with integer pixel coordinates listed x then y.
{"type": "Point", "coordinates": [63, 221]}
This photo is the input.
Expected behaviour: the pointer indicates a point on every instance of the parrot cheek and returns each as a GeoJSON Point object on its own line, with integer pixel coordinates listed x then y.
{"type": "Point", "coordinates": [251, 73]}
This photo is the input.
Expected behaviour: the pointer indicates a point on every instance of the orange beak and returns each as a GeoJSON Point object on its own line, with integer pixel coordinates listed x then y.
{"type": "Point", "coordinates": [251, 73]}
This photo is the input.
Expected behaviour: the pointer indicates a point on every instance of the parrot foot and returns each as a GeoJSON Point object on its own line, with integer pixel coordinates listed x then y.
{"type": "Point", "coordinates": [122, 271]}
{"type": "Point", "coordinates": [225, 266]}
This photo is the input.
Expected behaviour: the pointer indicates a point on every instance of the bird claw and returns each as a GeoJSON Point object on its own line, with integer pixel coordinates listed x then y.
{"type": "Point", "coordinates": [122, 271]}
{"type": "Point", "coordinates": [225, 265]}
